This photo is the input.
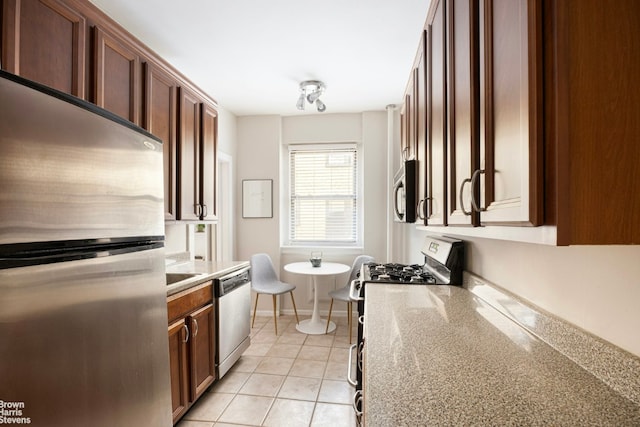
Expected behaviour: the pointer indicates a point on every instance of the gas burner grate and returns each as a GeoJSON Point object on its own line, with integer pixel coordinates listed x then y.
{"type": "Point", "coordinates": [399, 273]}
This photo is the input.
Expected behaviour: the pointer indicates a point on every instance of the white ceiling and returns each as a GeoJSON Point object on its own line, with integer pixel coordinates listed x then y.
{"type": "Point", "coordinates": [251, 55]}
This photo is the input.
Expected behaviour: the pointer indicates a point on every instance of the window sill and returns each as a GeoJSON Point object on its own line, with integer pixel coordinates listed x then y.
{"type": "Point", "coordinates": [326, 250]}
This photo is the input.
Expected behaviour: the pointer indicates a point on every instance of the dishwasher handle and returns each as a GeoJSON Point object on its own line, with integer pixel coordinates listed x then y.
{"type": "Point", "coordinates": [232, 281]}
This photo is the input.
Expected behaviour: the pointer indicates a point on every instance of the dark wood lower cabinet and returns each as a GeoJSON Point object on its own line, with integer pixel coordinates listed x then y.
{"type": "Point", "coordinates": [202, 350]}
{"type": "Point", "coordinates": [192, 346]}
{"type": "Point", "coordinates": [178, 362]}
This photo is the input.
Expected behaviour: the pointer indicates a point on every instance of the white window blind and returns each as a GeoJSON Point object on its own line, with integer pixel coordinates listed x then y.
{"type": "Point", "coordinates": [323, 191]}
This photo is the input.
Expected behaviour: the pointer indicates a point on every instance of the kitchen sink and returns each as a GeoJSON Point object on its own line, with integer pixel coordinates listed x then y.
{"type": "Point", "coordinates": [179, 277]}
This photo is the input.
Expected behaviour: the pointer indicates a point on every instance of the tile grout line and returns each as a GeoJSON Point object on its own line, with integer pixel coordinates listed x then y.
{"type": "Point", "coordinates": [305, 342]}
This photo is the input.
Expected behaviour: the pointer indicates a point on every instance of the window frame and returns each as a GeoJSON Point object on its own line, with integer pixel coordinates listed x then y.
{"type": "Point", "coordinates": [359, 220]}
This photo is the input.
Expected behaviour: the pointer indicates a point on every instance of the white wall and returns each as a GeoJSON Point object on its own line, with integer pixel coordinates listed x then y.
{"type": "Point", "coordinates": [596, 288]}
{"type": "Point", "coordinates": [227, 132]}
{"type": "Point", "coordinates": [257, 158]}
{"type": "Point", "coordinates": [261, 142]}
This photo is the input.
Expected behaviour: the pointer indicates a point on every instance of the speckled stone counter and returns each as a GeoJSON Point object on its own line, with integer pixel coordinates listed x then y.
{"type": "Point", "coordinates": [204, 270]}
{"type": "Point", "coordinates": [442, 356]}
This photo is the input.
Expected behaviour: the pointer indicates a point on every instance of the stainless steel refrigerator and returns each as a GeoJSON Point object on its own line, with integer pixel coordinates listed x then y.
{"type": "Point", "coordinates": [83, 317]}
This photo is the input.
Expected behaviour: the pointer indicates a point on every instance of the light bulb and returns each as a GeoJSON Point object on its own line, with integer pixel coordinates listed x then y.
{"type": "Point", "coordinates": [313, 96]}
{"type": "Point", "coordinates": [320, 106]}
{"type": "Point", "coordinates": [300, 103]}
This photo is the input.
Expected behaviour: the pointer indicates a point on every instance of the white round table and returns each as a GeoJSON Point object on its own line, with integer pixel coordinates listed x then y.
{"type": "Point", "coordinates": [315, 325]}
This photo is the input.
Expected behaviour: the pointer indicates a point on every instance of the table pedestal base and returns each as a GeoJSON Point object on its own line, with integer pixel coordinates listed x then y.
{"type": "Point", "coordinates": [312, 327]}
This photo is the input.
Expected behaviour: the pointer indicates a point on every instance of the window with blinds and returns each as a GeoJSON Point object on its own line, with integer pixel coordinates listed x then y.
{"type": "Point", "coordinates": [324, 195]}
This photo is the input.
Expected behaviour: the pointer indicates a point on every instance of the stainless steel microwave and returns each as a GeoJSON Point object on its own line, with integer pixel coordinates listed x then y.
{"type": "Point", "coordinates": [404, 192]}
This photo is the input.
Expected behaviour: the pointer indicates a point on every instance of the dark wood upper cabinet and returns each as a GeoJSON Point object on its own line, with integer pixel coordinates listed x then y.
{"type": "Point", "coordinates": [208, 161]}
{"type": "Point", "coordinates": [483, 160]}
{"type": "Point", "coordinates": [511, 166]}
{"type": "Point", "coordinates": [116, 79]}
{"type": "Point", "coordinates": [592, 64]}
{"type": "Point", "coordinates": [420, 93]}
{"type": "Point", "coordinates": [160, 106]}
{"type": "Point", "coordinates": [462, 114]}
{"type": "Point", "coordinates": [44, 41]}
{"type": "Point", "coordinates": [188, 155]}
{"type": "Point", "coordinates": [72, 46]}
{"type": "Point", "coordinates": [436, 116]}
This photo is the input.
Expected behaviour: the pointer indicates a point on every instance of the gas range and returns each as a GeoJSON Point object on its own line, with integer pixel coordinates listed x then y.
{"type": "Point", "coordinates": [444, 263]}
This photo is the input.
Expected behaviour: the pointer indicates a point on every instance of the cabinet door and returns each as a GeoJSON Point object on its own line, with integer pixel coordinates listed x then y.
{"type": "Point", "coordinates": [203, 348]}
{"type": "Point", "coordinates": [421, 128]}
{"type": "Point", "coordinates": [116, 76]}
{"type": "Point", "coordinates": [44, 41]}
{"type": "Point", "coordinates": [404, 128]}
{"type": "Point", "coordinates": [188, 156]}
{"type": "Point", "coordinates": [160, 120]}
{"type": "Point", "coordinates": [510, 112]}
{"type": "Point", "coordinates": [208, 146]}
{"type": "Point", "coordinates": [436, 118]}
{"type": "Point", "coordinates": [409, 151]}
{"type": "Point", "coordinates": [593, 105]}
{"type": "Point", "coordinates": [178, 363]}
{"type": "Point", "coordinates": [462, 85]}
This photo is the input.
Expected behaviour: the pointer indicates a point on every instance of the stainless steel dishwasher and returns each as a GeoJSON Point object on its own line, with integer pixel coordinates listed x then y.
{"type": "Point", "coordinates": [233, 303]}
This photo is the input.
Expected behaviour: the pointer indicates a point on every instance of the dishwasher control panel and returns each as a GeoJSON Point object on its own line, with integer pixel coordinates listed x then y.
{"type": "Point", "coordinates": [232, 281]}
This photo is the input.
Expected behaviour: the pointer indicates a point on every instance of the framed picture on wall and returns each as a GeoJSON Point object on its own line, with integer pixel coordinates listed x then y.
{"type": "Point", "coordinates": [257, 198]}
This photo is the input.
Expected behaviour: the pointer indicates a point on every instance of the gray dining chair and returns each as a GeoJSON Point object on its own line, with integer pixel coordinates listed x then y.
{"type": "Point", "coordinates": [264, 280]}
{"type": "Point", "coordinates": [342, 294]}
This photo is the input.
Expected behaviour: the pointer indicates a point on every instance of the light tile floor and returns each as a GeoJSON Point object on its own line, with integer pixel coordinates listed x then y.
{"type": "Point", "coordinates": [291, 379]}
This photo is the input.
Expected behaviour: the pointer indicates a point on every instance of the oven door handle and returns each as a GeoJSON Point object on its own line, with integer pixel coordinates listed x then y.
{"type": "Point", "coordinates": [353, 292]}
{"type": "Point", "coordinates": [349, 376]}
{"type": "Point", "coordinates": [358, 401]}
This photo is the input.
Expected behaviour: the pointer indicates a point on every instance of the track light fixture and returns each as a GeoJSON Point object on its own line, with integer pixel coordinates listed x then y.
{"type": "Point", "coordinates": [310, 90]}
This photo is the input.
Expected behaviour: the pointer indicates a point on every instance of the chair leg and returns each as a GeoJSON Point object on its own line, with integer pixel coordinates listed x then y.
{"type": "Point", "coordinates": [350, 320]}
{"type": "Point", "coordinates": [329, 316]}
{"type": "Point", "coordinates": [255, 308]}
{"type": "Point", "coordinates": [295, 310]}
{"type": "Point", "coordinates": [275, 319]}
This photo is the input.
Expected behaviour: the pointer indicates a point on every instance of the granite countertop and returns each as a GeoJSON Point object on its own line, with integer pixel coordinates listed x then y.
{"type": "Point", "coordinates": [442, 356]}
{"type": "Point", "coordinates": [202, 270]}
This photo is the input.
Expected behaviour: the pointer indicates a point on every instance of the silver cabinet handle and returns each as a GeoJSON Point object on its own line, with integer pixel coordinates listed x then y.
{"type": "Point", "coordinates": [349, 377]}
{"type": "Point", "coordinates": [361, 320]}
{"type": "Point", "coordinates": [357, 403]}
{"type": "Point", "coordinates": [205, 211]}
{"type": "Point", "coordinates": [360, 356]}
{"type": "Point", "coordinates": [421, 213]}
{"type": "Point", "coordinates": [395, 200]}
{"type": "Point", "coordinates": [474, 181]}
{"type": "Point", "coordinates": [195, 332]}
{"type": "Point", "coordinates": [461, 200]}
{"type": "Point", "coordinates": [186, 335]}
